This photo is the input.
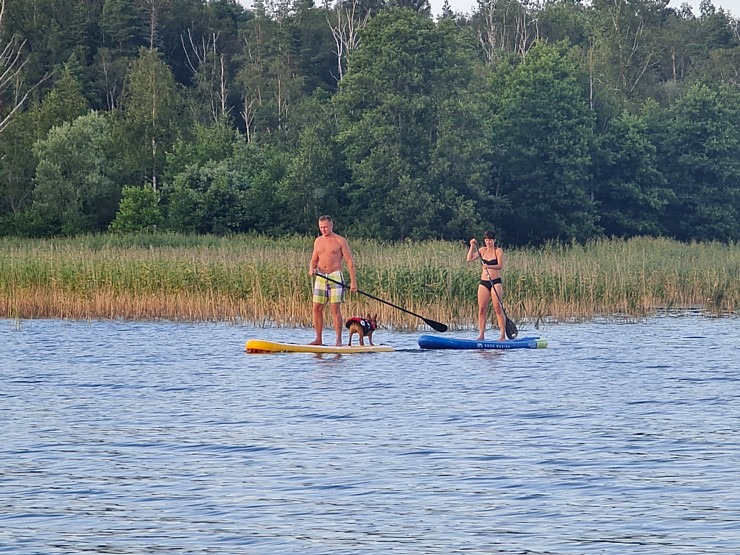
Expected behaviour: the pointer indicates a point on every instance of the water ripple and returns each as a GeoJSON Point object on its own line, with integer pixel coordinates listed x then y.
{"type": "Point", "coordinates": [166, 438]}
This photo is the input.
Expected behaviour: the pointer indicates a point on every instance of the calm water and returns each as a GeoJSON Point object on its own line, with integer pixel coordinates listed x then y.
{"type": "Point", "coordinates": [142, 438]}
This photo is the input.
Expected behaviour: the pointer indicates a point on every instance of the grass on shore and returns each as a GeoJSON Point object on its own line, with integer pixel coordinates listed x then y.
{"type": "Point", "coordinates": [265, 281]}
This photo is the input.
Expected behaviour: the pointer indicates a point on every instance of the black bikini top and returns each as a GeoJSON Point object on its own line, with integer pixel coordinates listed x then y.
{"type": "Point", "coordinates": [491, 262]}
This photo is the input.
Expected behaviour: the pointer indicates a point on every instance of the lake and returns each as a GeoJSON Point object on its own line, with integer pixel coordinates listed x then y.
{"type": "Point", "coordinates": [141, 437]}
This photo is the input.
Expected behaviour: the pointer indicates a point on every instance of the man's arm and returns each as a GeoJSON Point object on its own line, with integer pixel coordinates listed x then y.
{"type": "Point", "coordinates": [314, 260]}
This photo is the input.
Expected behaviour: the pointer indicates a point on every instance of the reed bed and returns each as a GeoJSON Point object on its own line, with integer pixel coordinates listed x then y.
{"type": "Point", "coordinates": [265, 281]}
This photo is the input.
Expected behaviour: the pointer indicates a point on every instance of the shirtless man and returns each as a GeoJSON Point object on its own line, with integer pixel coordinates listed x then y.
{"type": "Point", "coordinates": [329, 250]}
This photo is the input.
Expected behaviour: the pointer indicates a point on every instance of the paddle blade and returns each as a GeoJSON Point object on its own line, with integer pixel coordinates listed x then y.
{"type": "Point", "coordinates": [511, 331]}
{"type": "Point", "coordinates": [437, 326]}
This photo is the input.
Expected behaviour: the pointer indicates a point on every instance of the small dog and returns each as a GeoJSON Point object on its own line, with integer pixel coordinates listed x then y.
{"type": "Point", "coordinates": [363, 327]}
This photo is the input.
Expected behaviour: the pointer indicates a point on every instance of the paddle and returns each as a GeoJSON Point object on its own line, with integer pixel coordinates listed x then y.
{"type": "Point", "coordinates": [431, 323]}
{"type": "Point", "coordinates": [511, 330]}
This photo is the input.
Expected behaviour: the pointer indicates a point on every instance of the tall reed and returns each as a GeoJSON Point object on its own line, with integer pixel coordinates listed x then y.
{"type": "Point", "coordinates": [265, 281]}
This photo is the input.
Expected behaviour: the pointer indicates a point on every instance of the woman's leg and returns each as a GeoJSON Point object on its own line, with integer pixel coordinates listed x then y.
{"type": "Point", "coordinates": [484, 297]}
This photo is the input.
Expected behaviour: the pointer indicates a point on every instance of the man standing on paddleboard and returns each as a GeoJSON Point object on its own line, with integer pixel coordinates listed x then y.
{"type": "Point", "coordinates": [329, 251]}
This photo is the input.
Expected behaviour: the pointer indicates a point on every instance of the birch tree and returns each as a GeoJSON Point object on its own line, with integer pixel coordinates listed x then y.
{"type": "Point", "coordinates": [627, 46]}
{"type": "Point", "coordinates": [504, 26]}
{"type": "Point", "coordinates": [12, 60]}
{"type": "Point", "coordinates": [269, 81]}
{"type": "Point", "coordinates": [208, 66]}
{"type": "Point", "coordinates": [151, 116]}
{"type": "Point", "coordinates": [345, 21]}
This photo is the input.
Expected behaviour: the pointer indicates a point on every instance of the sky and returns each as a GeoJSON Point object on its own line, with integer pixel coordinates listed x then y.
{"type": "Point", "coordinates": [467, 6]}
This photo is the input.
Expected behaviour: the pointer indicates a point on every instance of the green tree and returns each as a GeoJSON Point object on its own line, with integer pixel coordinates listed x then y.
{"type": "Point", "coordinates": [460, 165]}
{"type": "Point", "coordinates": [627, 45]}
{"type": "Point", "coordinates": [311, 185]}
{"type": "Point", "coordinates": [220, 184]}
{"type": "Point", "coordinates": [565, 20]}
{"type": "Point", "coordinates": [202, 48]}
{"type": "Point", "coordinates": [63, 103]}
{"type": "Point", "coordinates": [139, 211]}
{"type": "Point", "coordinates": [419, 6]}
{"type": "Point", "coordinates": [315, 47]}
{"type": "Point", "coordinates": [542, 134]}
{"type": "Point", "coordinates": [262, 166]}
{"type": "Point", "coordinates": [74, 191]}
{"type": "Point", "coordinates": [151, 118]}
{"type": "Point", "coordinates": [699, 151]}
{"type": "Point", "coordinates": [17, 165]}
{"type": "Point", "coordinates": [192, 166]}
{"type": "Point", "coordinates": [695, 49]}
{"type": "Point", "coordinates": [48, 33]}
{"type": "Point", "coordinates": [393, 107]}
{"type": "Point", "coordinates": [630, 191]}
{"type": "Point", "coordinates": [716, 47]}
{"type": "Point", "coordinates": [503, 27]}
{"type": "Point", "coordinates": [213, 141]}
{"type": "Point", "coordinates": [123, 24]}
{"type": "Point", "coordinates": [207, 199]}
{"type": "Point", "coordinates": [269, 81]}
{"type": "Point", "coordinates": [108, 73]}
{"type": "Point", "coordinates": [188, 28]}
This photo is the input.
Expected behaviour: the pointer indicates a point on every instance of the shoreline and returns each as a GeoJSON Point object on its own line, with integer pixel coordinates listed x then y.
{"type": "Point", "coordinates": [177, 308]}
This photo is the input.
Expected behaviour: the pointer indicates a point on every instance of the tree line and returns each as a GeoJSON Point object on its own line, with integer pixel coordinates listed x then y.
{"type": "Point", "coordinates": [554, 121]}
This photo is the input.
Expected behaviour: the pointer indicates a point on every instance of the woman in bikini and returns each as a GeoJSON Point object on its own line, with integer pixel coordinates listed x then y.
{"type": "Point", "coordinates": [492, 258]}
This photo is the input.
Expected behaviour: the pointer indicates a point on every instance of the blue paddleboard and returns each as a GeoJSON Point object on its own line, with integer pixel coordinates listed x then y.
{"type": "Point", "coordinates": [439, 342]}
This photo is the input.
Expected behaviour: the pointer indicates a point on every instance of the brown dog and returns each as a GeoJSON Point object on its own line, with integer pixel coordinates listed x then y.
{"type": "Point", "coordinates": [363, 327]}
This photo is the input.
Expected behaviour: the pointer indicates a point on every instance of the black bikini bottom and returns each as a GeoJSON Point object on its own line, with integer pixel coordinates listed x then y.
{"type": "Point", "coordinates": [488, 283]}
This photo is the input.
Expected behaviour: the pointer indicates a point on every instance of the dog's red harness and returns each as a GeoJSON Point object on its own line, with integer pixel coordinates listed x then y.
{"type": "Point", "coordinates": [366, 325]}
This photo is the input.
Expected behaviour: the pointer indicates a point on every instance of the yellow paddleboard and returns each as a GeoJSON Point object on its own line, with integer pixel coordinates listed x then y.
{"type": "Point", "coordinates": [260, 346]}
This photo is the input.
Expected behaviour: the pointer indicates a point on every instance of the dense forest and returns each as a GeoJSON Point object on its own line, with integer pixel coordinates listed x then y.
{"type": "Point", "coordinates": [554, 121]}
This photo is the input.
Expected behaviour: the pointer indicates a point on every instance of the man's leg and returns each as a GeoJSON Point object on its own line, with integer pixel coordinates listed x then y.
{"type": "Point", "coordinates": [318, 323]}
{"type": "Point", "coordinates": [336, 312]}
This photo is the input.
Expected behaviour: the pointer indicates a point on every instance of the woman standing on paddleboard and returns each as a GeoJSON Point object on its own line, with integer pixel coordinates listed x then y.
{"type": "Point", "coordinates": [492, 260]}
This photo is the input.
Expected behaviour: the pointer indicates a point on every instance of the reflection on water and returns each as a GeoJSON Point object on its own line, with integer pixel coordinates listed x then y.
{"type": "Point", "coordinates": [167, 438]}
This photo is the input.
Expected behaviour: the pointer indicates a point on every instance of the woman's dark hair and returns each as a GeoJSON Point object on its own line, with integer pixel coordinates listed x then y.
{"type": "Point", "coordinates": [489, 235]}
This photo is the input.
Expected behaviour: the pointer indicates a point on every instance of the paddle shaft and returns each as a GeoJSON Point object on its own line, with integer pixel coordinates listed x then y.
{"type": "Point", "coordinates": [431, 323]}
{"type": "Point", "coordinates": [511, 330]}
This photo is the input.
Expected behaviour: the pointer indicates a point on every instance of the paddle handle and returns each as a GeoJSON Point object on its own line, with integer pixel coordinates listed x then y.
{"type": "Point", "coordinates": [431, 323]}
